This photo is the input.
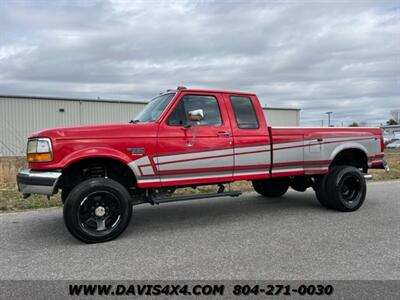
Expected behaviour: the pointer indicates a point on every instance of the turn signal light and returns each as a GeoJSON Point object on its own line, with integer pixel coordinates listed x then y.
{"type": "Point", "coordinates": [39, 157]}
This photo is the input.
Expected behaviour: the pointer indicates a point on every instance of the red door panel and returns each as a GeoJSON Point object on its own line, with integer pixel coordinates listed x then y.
{"type": "Point", "coordinates": [252, 145]}
{"type": "Point", "coordinates": [198, 154]}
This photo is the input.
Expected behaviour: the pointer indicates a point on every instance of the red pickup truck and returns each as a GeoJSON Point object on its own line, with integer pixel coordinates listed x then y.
{"type": "Point", "coordinates": [188, 138]}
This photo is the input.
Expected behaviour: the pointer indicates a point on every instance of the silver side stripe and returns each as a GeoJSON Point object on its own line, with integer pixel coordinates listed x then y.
{"type": "Point", "coordinates": [195, 155]}
{"type": "Point", "coordinates": [252, 159]}
{"type": "Point", "coordinates": [147, 170]}
{"type": "Point", "coordinates": [225, 161]}
{"type": "Point", "coordinates": [240, 156]}
{"type": "Point", "coordinates": [337, 139]}
{"type": "Point", "coordinates": [291, 144]}
{"type": "Point", "coordinates": [287, 170]}
{"type": "Point", "coordinates": [307, 142]}
{"type": "Point", "coordinates": [205, 154]}
{"type": "Point", "coordinates": [186, 177]}
{"type": "Point", "coordinates": [134, 165]}
{"type": "Point", "coordinates": [239, 150]}
{"type": "Point", "coordinates": [247, 172]}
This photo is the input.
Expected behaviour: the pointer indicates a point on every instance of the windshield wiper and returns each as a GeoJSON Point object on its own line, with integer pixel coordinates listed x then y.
{"type": "Point", "coordinates": [134, 121]}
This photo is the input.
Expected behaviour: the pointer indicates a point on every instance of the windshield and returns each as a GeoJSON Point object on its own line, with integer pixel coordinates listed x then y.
{"type": "Point", "coordinates": [154, 108]}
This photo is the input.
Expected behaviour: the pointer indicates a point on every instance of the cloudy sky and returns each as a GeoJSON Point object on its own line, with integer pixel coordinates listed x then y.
{"type": "Point", "coordinates": [317, 56]}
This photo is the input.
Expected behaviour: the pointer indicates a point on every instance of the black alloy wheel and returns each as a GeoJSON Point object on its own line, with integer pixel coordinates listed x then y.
{"type": "Point", "coordinates": [97, 210]}
{"type": "Point", "coordinates": [345, 188]}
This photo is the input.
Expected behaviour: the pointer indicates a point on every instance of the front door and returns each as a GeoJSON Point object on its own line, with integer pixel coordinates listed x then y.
{"type": "Point", "coordinates": [195, 152]}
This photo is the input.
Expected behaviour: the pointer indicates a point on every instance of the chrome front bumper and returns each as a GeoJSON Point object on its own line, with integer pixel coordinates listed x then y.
{"type": "Point", "coordinates": [37, 182]}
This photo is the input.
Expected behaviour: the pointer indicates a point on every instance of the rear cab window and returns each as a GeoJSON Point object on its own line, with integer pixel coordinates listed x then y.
{"type": "Point", "coordinates": [245, 114]}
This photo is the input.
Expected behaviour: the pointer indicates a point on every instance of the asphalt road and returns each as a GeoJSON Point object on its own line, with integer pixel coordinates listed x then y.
{"type": "Point", "coordinates": [249, 237]}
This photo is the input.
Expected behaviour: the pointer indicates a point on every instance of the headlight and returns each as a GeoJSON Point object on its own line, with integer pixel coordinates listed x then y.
{"type": "Point", "coordinates": [39, 150]}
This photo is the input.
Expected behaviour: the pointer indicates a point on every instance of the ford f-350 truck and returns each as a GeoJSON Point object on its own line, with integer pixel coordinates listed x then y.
{"type": "Point", "coordinates": [189, 138]}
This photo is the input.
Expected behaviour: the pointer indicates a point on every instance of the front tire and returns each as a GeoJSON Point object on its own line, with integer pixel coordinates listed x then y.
{"type": "Point", "coordinates": [64, 194]}
{"type": "Point", "coordinates": [273, 187]}
{"type": "Point", "coordinates": [345, 188]}
{"type": "Point", "coordinates": [97, 210]}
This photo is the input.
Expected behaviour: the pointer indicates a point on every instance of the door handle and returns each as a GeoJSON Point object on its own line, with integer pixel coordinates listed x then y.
{"type": "Point", "coordinates": [223, 133]}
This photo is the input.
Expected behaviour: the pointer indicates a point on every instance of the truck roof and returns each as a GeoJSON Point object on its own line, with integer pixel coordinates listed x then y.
{"type": "Point", "coordinates": [231, 92]}
{"type": "Point", "coordinates": [214, 91]}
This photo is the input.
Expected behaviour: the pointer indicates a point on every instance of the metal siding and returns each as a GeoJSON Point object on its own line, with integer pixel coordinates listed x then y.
{"type": "Point", "coordinates": [20, 117]}
{"type": "Point", "coordinates": [282, 117]}
{"type": "Point", "coordinates": [105, 113]}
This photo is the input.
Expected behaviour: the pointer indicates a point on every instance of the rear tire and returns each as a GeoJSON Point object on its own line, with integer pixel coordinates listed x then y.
{"type": "Point", "coordinates": [345, 188]}
{"type": "Point", "coordinates": [320, 191]}
{"type": "Point", "coordinates": [273, 187]}
{"type": "Point", "coordinates": [97, 210]}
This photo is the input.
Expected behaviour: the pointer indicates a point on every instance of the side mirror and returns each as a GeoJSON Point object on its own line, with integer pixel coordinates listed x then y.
{"type": "Point", "coordinates": [196, 115]}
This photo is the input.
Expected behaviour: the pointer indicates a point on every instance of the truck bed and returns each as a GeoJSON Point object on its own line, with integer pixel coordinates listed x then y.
{"type": "Point", "coordinates": [306, 150]}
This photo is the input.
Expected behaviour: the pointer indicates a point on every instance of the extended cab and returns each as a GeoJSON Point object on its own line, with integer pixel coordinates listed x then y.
{"type": "Point", "coordinates": [188, 138]}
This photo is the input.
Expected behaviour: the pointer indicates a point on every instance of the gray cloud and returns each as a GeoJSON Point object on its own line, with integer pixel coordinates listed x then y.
{"type": "Point", "coordinates": [318, 56]}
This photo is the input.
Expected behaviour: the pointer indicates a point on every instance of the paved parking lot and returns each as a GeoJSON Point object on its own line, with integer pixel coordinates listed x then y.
{"type": "Point", "coordinates": [249, 237]}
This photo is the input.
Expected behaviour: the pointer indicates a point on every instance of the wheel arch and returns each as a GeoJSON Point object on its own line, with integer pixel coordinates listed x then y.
{"type": "Point", "coordinates": [96, 152]}
{"type": "Point", "coordinates": [97, 166]}
{"type": "Point", "coordinates": [351, 154]}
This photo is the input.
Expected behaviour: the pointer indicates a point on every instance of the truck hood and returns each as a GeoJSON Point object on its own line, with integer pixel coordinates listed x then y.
{"type": "Point", "coordinates": [100, 131]}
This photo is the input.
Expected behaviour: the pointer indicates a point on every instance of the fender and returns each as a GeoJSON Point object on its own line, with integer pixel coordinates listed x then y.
{"type": "Point", "coordinates": [347, 146]}
{"type": "Point", "coordinates": [95, 152]}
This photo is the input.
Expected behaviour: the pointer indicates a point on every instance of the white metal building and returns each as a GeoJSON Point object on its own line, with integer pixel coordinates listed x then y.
{"type": "Point", "coordinates": [22, 115]}
{"type": "Point", "coordinates": [279, 116]}
{"type": "Point", "coordinates": [391, 130]}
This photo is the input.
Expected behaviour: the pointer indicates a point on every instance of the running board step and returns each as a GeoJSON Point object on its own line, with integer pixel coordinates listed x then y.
{"type": "Point", "coordinates": [197, 196]}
